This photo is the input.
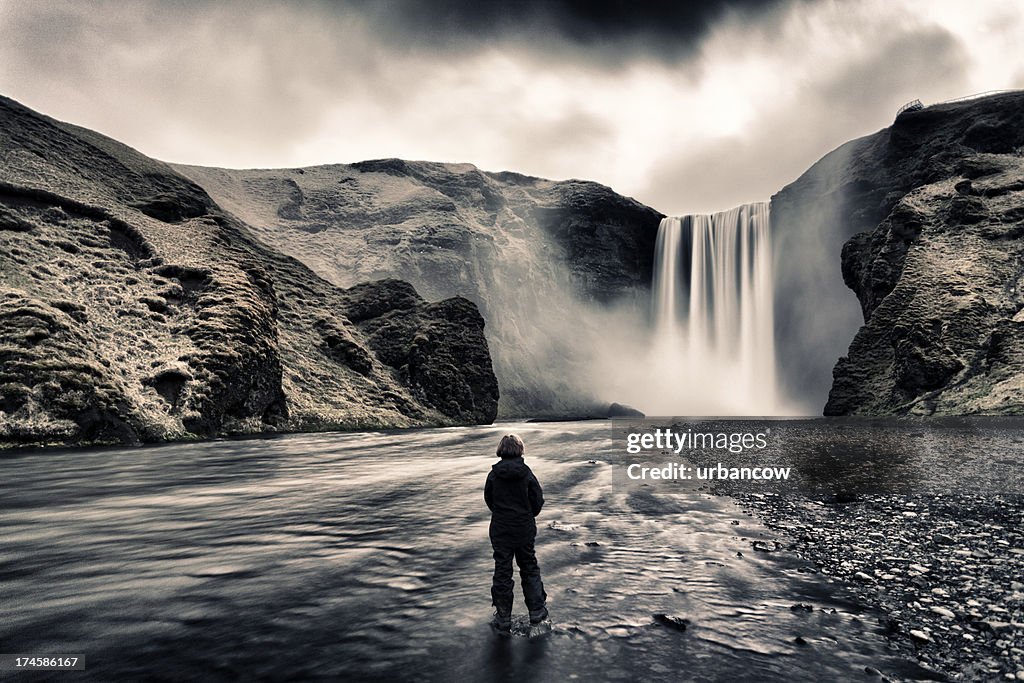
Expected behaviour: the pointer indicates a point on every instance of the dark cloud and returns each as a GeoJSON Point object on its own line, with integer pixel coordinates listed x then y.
{"type": "Point", "coordinates": [602, 29]}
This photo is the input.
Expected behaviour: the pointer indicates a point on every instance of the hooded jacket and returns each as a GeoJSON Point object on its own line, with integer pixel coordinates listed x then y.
{"type": "Point", "coordinates": [514, 497]}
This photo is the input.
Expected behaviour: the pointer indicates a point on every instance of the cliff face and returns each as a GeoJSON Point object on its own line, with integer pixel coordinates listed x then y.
{"type": "Point", "coordinates": [938, 270]}
{"type": "Point", "coordinates": [815, 315]}
{"type": "Point", "coordinates": [543, 260]}
{"type": "Point", "coordinates": [134, 308]}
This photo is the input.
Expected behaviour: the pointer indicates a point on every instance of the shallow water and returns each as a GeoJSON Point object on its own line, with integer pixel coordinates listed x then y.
{"type": "Point", "coordinates": [365, 556]}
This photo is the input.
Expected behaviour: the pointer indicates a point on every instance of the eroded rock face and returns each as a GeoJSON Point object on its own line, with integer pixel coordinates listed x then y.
{"type": "Point", "coordinates": [135, 309]}
{"type": "Point", "coordinates": [939, 278]}
{"type": "Point", "coordinates": [852, 190]}
{"type": "Point", "coordinates": [435, 348]}
{"type": "Point", "coordinates": [542, 260]}
{"type": "Point", "coordinates": [50, 376]}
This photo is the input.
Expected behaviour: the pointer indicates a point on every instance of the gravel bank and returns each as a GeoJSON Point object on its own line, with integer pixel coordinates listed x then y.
{"type": "Point", "coordinates": [946, 572]}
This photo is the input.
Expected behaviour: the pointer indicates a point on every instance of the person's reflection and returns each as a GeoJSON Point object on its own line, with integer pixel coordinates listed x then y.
{"type": "Point", "coordinates": [499, 657]}
{"type": "Point", "coordinates": [515, 658]}
{"type": "Point", "coordinates": [535, 655]}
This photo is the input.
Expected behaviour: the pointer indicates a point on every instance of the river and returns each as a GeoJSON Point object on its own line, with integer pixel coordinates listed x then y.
{"type": "Point", "coordinates": [364, 556]}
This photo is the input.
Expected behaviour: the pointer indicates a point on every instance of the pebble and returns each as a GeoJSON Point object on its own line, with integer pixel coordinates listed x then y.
{"type": "Point", "coordinates": [953, 594]}
{"type": "Point", "coordinates": [997, 626]}
{"type": "Point", "coordinates": [766, 546]}
{"type": "Point", "coordinates": [918, 634]}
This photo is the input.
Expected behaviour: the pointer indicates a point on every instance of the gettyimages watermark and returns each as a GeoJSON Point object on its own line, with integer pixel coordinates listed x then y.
{"type": "Point", "coordinates": [675, 441]}
{"type": "Point", "coordinates": [819, 458]}
{"type": "Point", "coordinates": [676, 456]}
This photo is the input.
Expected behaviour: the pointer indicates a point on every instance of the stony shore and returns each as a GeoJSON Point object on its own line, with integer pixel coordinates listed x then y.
{"type": "Point", "coordinates": [945, 573]}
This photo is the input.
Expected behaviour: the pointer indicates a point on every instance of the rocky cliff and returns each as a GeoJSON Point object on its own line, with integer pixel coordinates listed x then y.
{"type": "Point", "coordinates": [933, 212]}
{"type": "Point", "coordinates": [133, 307]}
{"type": "Point", "coordinates": [546, 262]}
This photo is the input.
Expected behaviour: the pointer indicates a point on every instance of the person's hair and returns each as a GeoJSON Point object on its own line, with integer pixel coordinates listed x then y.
{"type": "Point", "coordinates": [511, 446]}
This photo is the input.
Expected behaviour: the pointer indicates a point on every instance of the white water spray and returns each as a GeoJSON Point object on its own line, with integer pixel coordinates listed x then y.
{"type": "Point", "coordinates": [713, 347]}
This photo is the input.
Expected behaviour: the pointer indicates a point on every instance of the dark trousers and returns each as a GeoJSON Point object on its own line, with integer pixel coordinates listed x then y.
{"type": "Point", "coordinates": [529, 574]}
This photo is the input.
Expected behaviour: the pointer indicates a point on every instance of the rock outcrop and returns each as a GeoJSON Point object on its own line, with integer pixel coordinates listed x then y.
{"type": "Point", "coordinates": [543, 260]}
{"type": "Point", "coordinates": [939, 272]}
{"type": "Point", "coordinates": [134, 308]}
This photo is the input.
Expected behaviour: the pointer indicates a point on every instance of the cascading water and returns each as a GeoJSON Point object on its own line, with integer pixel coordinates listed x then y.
{"type": "Point", "coordinates": [713, 345]}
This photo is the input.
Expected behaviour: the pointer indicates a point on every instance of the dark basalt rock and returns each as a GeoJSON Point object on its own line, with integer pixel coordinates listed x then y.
{"type": "Point", "coordinates": [622, 410]}
{"type": "Point", "coordinates": [396, 167]}
{"type": "Point", "coordinates": [608, 239]}
{"type": "Point", "coordinates": [172, 208]}
{"type": "Point", "coordinates": [9, 221]}
{"type": "Point", "coordinates": [438, 349]}
{"type": "Point", "coordinates": [673, 622]}
{"type": "Point", "coordinates": [170, 384]}
{"type": "Point", "coordinates": [374, 299]}
{"type": "Point", "coordinates": [343, 349]}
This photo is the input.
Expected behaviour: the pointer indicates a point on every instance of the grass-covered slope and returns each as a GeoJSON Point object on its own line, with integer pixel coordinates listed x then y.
{"type": "Point", "coordinates": [132, 307]}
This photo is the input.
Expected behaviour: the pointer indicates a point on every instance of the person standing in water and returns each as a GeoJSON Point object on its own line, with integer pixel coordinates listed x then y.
{"type": "Point", "coordinates": [514, 497]}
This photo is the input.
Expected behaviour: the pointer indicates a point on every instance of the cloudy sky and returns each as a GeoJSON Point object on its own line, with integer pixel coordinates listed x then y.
{"type": "Point", "coordinates": [689, 107]}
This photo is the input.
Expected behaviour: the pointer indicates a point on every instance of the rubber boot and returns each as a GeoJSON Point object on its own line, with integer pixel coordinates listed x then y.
{"type": "Point", "coordinates": [538, 615]}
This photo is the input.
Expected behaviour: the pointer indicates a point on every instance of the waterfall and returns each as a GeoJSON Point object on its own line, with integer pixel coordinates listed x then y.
{"type": "Point", "coordinates": [714, 345]}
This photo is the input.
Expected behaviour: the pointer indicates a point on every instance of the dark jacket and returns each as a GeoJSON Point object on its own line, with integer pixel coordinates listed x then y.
{"type": "Point", "coordinates": [514, 497]}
